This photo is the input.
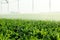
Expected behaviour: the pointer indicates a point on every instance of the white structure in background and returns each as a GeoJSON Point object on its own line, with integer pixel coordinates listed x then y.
{"type": "Point", "coordinates": [4, 6]}
{"type": "Point", "coordinates": [41, 6]}
{"type": "Point", "coordinates": [7, 6]}
{"type": "Point", "coordinates": [13, 5]}
{"type": "Point", "coordinates": [29, 6]}
{"type": "Point", "coordinates": [55, 5]}
{"type": "Point", "coordinates": [26, 6]}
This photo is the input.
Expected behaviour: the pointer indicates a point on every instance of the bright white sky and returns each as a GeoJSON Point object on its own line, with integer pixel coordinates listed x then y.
{"type": "Point", "coordinates": [26, 6]}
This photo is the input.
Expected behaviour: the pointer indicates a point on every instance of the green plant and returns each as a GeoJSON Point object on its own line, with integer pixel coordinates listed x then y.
{"type": "Point", "coordinates": [15, 29]}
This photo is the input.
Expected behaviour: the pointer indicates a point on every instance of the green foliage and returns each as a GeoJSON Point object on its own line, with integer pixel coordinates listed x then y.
{"type": "Point", "coordinates": [11, 29]}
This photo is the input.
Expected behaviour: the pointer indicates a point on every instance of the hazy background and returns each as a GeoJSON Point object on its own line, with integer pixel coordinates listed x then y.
{"type": "Point", "coordinates": [30, 9]}
{"type": "Point", "coordinates": [30, 6]}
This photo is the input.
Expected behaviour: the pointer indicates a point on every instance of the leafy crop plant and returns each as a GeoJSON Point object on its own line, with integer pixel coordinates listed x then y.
{"type": "Point", "coordinates": [11, 29]}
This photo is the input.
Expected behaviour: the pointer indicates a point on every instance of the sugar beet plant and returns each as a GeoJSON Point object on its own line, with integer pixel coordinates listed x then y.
{"type": "Point", "coordinates": [11, 29]}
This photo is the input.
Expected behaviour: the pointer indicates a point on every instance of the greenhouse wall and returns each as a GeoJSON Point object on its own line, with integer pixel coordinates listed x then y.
{"type": "Point", "coordinates": [29, 6]}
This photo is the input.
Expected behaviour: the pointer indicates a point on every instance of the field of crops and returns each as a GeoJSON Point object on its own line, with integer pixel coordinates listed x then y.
{"type": "Point", "coordinates": [16, 29]}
